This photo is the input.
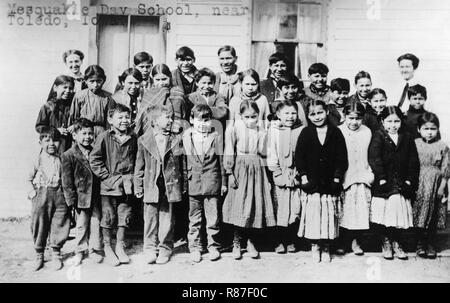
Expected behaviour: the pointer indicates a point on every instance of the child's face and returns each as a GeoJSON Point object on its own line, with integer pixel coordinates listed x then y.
{"type": "Point", "coordinates": [278, 69]}
{"type": "Point", "coordinates": [318, 80]}
{"type": "Point", "coordinates": [340, 97]}
{"type": "Point", "coordinates": [185, 64]}
{"type": "Point", "coordinates": [84, 136]}
{"type": "Point", "coordinates": [131, 85]}
{"type": "Point", "coordinates": [249, 86]}
{"type": "Point", "coordinates": [120, 121]}
{"type": "Point", "coordinates": [250, 117]}
{"type": "Point", "coordinates": [290, 91]}
{"type": "Point", "coordinates": [317, 115]}
{"type": "Point", "coordinates": [161, 80]}
{"type": "Point", "coordinates": [392, 124]}
{"type": "Point", "coordinates": [353, 121]}
{"type": "Point", "coordinates": [63, 91]}
{"type": "Point", "coordinates": [428, 131]}
{"type": "Point", "coordinates": [406, 69]}
{"type": "Point", "coordinates": [74, 62]}
{"type": "Point", "coordinates": [363, 87]}
{"type": "Point", "coordinates": [201, 125]}
{"type": "Point", "coordinates": [378, 103]}
{"type": "Point", "coordinates": [227, 61]}
{"type": "Point", "coordinates": [49, 145]}
{"type": "Point", "coordinates": [164, 121]}
{"type": "Point", "coordinates": [417, 101]}
{"type": "Point", "coordinates": [145, 68]}
{"type": "Point", "coordinates": [205, 85]}
{"type": "Point", "coordinates": [95, 84]}
{"type": "Point", "coordinates": [287, 116]}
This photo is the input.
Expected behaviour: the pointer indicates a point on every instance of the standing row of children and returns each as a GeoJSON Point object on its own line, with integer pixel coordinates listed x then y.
{"type": "Point", "coordinates": [307, 161]}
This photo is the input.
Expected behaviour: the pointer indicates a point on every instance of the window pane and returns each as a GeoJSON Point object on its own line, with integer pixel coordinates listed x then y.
{"type": "Point", "coordinates": [287, 13]}
{"type": "Point", "coordinates": [264, 20]}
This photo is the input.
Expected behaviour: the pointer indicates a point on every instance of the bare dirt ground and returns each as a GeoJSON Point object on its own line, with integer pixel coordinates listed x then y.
{"type": "Point", "coordinates": [17, 254]}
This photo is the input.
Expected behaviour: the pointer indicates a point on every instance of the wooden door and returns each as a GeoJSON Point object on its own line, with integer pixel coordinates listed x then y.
{"type": "Point", "coordinates": [120, 37]}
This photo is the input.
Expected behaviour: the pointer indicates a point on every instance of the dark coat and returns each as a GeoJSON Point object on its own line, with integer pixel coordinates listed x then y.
{"type": "Point", "coordinates": [411, 117]}
{"type": "Point", "coordinates": [321, 163]}
{"type": "Point", "coordinates": [56, 113]}
{"type": "Point", "coordinates": [393, 163]}
{"type": "Point", "coordinates": [81, 187]}
{"type": "Point", "coordinates": [113, 162]}
{"type": "Point", "coordinates": [205, 174]}
{"type": "Point", "coordinates": [177, 81]}
{"type": "Point", "coordinates": [334, 117]}
{"type": "Point", "coordinates": [268, 89]}
{"type": "Point", "coordinates": [149, 164]}
{"type": "Point", "coordinates": [371, 119]}
{"type": "Point", "coordinates": [216, 103]}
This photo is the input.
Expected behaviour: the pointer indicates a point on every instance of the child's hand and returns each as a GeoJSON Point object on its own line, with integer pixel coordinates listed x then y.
{"type": "Point", "coordinates": [32, 194]}
{"type": "Point", "coordinates": [441, 191]}
{"type": "Point", "coordinates": [407, 182]}
{"type": "Point", "coordinates": [63, 131]}
{"type": "Point", "coordinates": [139, 195]}
{"type": "Point", "coordinates": [382, 182]}
{"type": "Point", "coordinates": [232, 181]}
{"type": "Point", "coordinates": [223, 190]}
{"type": "Point", "coordinates": [304, 179]}
{"type": "Point", "coordinates": [70, 129]}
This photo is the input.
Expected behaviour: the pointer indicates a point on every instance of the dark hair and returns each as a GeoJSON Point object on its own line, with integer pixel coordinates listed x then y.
{"type": "Point", "coordinates": [408, 56]}
{"type": "Point", "coordinates": [162, 69]}
{"type": "Point", "coordinates": [134, 72]}
{"type": "Point", "coordinates": [318, 68]}
{"type": "Point", "coordinates": [377, 91]}
{"type": "Point", "coordinates": [288, 79]}
{"type": "Point", "coordinates": [391, 110]}
{"type": "Point", "coordinates": [227, 48]}
{"type": "Point", "coordinates": [417, 89]}
{"type": "Point", "coordinates": [94, 71]}
{"type": "Point", "coordinates": [184, 52]}
{"type": "Point", "coordinates": [314, 103]}
{"type": "Point", "coordinates": [428, 117]}
{"type": "Point", "coordinates": [249, 72]}
{"type": "Point", "coordinates": [72, 52]}
{"type": "Point", "coordinates": [51, 132]}
{"type": "Point", "coordinates": [246, 104]}
{"type": "Point", "coordinates": [82, 123]}
{"type": "Point", "coordinates": [62, 79]}
{"type": "Point", "coordinates": [118, 108]}
{"type": "Point", "coordinates": [142, 57]}
{"type": "Point", "coordinates": [355, 107]}
{"type": "Point", "coordinates": [205, 72]}
{"type": "Point", "coordinates": [201, 111]}
{"type": "Point", "coordinates": [362, 75]}
{"type": "Point", "coordinates": [275, 57]}
{"type": "Point", "coordinates": [286, 103]}
{"type": "Point", "coordinates": [340, 85]}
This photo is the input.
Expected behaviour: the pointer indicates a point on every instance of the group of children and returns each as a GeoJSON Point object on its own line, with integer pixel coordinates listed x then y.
{"type": "Point", "coordinates": [310, 162]}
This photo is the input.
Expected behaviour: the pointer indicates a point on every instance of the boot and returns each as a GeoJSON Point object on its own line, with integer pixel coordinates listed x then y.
{"type": "Point", "coordinates": [214, 254]}
{"type": "Point", "coordinates": [387, 249]}
{"type": "Point", "coordinates": [421, 244]}
{"type": "Point", "coordinates": [291, 248]}
{"type": "Point", "coordinates": [96, 256]}
{"type": "Point", "coordinates": [251, 249]}
{"type": "Point", "coordinates": [431, 251]}
{"type": "Point", "coordinates": [280, 249]}
{"type": "Point", "coordinates": [398, 250]}
{"type": "Point", "coordinates": [150, 257]}
{"type": "Point", "coordinates": [39, 261]}
{"type": "Point", "coordinates": [196, 256]}
{"type": "Point", "coordinates": [120, 252]}
{"type": "Point", "coordinates": [315, 252]}
{"type": "Point", "coordinates": [357, 250]}
{"type": "Point", "coordinates": [77, 259]}
{"type": "Point", "coordinates": [110, 256]}
{"type": "Point", "coordinates": [57, 262]}
{"type": "Point", "coordinates": [237, 253]}
{"type": "Point", "coordinates": [326, 254]}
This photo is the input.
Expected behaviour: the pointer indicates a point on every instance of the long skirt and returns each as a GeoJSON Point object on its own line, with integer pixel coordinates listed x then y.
{"type": "Point", "coordinates": [396, 211]}
{"type": "Point", "coordinates": [356, 207]}
{"type": "Point", "coordinates": [319, 216]}
{"type": "Point", "coordinates": [287, 206]}
{"type": "Point", "coordinates": [249, 205]}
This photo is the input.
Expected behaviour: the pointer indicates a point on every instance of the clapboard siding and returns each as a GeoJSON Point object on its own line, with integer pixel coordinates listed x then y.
{"type": "Point", "coordinates": [357, 42]}
{"type": "Point", "coordinates": [205, 34]}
